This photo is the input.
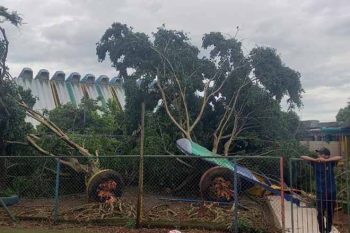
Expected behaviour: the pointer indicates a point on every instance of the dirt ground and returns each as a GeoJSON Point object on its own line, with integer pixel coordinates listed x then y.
{"type": "Point", "coordinates": [31, 227]}
{"type": "Point", "coordinates": [157, 208]}
{"type": "Point", "coordinates": [341, 221]}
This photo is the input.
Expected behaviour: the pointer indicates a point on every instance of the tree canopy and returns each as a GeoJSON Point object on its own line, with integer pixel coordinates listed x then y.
{"type": "Point", "coordinates": [343, 114]}
{"type": "Point", "coordinates": [215, 98]}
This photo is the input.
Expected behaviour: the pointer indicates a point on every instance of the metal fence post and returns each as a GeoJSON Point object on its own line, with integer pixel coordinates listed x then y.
{"type": "Point", "coordinates": [347, 182]}
{"type": "Point", "coordinates": [235, 193]}
{"type": "Point", "coordinates": [141, 170]}
{"type": "Point", "coordinates": [282, 193]}
{"type": "Point", "coordinates": [57, 188]}
{"type": "Point", "coordinates": [291, 186]}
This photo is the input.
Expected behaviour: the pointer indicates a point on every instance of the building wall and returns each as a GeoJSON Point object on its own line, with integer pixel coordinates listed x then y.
{"type": "Point", "coordinates": [333, 146]}
{"type": "Point", "coordinates": [57, 90]}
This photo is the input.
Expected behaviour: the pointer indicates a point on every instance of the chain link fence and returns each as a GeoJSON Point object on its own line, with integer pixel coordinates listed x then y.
{"type": "Point", "coordinates": [268, 206]}
{"type": "Point", "coordinates": [44, 195]}
{"type": "Point", "coordinates": [178, 191]}
{"type": "Point", "coordinates": [306, 217]}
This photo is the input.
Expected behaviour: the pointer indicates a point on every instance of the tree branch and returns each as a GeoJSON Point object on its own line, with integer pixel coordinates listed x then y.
{"type": "Point", "coordinates": [4, 106]}
{"type": "Point", "coordinates": [231, 109]}
{"type": "Point", "coordinates": [165, 103]}
{"type": "Point", "coordinates": [182, 93]}
{"type": "Point", "coordinates": [18, 143]}
{"type": "Point", "coordinates": [54, 128]}
{"type": "Point", "coordinates": [3, 59]}
{"type": "Point", "coordinates": [76, 166]}
{"type": "Point", "coordinates": [206, 98]}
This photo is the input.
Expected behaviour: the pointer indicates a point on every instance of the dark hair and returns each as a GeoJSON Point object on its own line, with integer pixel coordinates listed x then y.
{"type": "Point", "coordinates": [323, 151]}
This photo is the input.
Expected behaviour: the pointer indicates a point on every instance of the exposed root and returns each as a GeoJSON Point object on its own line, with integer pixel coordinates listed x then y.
{"type": "Point", "coordinates": [101, 211]}
{"type": "Point", "coordinates": [201, 212]}
{"type": "Point", "coordinates": [222, 188]}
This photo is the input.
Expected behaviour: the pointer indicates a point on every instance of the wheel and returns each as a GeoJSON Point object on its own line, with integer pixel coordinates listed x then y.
{"type": "Point", "coordinates": [217, 184]}
{"type": "Point", "coordinates": [105, 186]}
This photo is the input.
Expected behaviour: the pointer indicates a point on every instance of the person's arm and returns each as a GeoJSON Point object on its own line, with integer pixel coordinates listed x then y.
{"type": "Point", "coordinates": [308, 158]}
{"type": "Point", "coordinates": [333, 158]}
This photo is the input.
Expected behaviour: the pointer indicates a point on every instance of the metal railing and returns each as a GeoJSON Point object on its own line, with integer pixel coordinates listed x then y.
{"type": "Point", "coordinates": [319, 205]}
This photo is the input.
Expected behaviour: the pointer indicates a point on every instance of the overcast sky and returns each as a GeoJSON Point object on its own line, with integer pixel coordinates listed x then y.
{"type": "Point", "coordinates": [312, 36]}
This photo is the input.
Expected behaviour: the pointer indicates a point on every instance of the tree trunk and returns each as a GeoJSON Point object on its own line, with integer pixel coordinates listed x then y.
{"type": "Point", "coordinates": [215, 145]}
{"type": "Point", "coordinates": [188, 135]}
{"type": "Point", "coordinates": [3, 170]}
{"type": "Point", "coordinates": [227, 147]}
{"type": "Point", "coordinates": [102, 185]}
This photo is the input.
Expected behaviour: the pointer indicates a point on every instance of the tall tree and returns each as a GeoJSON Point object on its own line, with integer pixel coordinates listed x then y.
{"type": "Point", "coordinates": [230, 108]}
{"type": "Point", "coordinates": [172, 62]}
{"type": "Point", "coordinates": [189, 88]}
{"type": "Point", "coordinates": [277, 78]}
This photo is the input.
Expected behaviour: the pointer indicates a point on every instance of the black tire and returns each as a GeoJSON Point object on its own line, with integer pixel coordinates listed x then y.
{"type": "Point", "coordinates": [207, 181]}
{"type": "Point", "coordinates": [101, 177]}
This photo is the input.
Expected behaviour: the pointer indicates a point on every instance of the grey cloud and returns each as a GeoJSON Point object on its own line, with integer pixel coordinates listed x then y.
{"type": "Point", "coordinates": [341, 27]}
{"type": "Point", "coordinates": [311, 35]}
{"type": "Point", "coordinates": [324, 102]}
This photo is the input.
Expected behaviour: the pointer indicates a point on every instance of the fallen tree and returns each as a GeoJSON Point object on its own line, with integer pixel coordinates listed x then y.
{"type": "Point", "coordinates": [102, 185]}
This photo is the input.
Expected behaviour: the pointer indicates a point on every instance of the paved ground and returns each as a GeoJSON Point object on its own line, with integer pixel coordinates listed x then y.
{"type": "Point", "coordinates": [304, 218]}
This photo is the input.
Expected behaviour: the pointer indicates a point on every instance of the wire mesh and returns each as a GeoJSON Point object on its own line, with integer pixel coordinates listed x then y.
{"type": "Point", "coordinates": [267, 206]}
{"type": "Point", "coordinates": [320, 208]}
{"type": "Point", "coordinates": [172, 194]}
{"type": "Point", "coordinates": [192, 191]}
{"type": "Point", "coordinates": [33, 179]}
{"type": "Point", "coordinates": [179, 191]}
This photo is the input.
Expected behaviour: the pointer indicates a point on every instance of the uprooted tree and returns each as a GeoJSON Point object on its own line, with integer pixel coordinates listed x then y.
{"type": "Point", "coordinates": [103, 185]}
{"type": "Point", "coordinates": [228, 89]}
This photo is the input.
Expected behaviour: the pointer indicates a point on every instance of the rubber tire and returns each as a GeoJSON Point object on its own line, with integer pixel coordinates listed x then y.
{"type": "Point", "coordinates": [11, 200]}
{"type": "Point", "coordinates": [208, 177]}
{"type": "Point", "coordinates": [101, 177]}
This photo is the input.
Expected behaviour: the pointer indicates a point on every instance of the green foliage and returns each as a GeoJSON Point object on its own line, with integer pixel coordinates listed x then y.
{"type": "Point", "coordinates": [169, 57]}
{"type": "Point", "coordinates": [13, 17]}
{"type": "Point", "coordinates": [15, 20]}
{"type": "Point", "coordinates": [88, 124]}
{"type": "Point", "coordinates": [87, 118]}
{"type": "Point", "coordinates": [343, 114]}
{"type": "Point", "coordinates": [12, 116]}
{"type": "Point", "coordinates": [34, 185]}
{"type": "Point", "coordinates": [131, 224]}
{"type": "Point", "coordinates": [277, 78]}
{"type": "Point", "coordinates": [30, 177]}
{"type": "Point", "coordinates": [12, 122]}
{"type": "Point", "coordinates": [245, 226]}
{"type": "Point", "coordinates": [132, 50]}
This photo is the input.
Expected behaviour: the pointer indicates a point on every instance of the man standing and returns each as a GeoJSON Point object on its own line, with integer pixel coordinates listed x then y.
{"type": "Point", "coordinates": [325, 186]}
